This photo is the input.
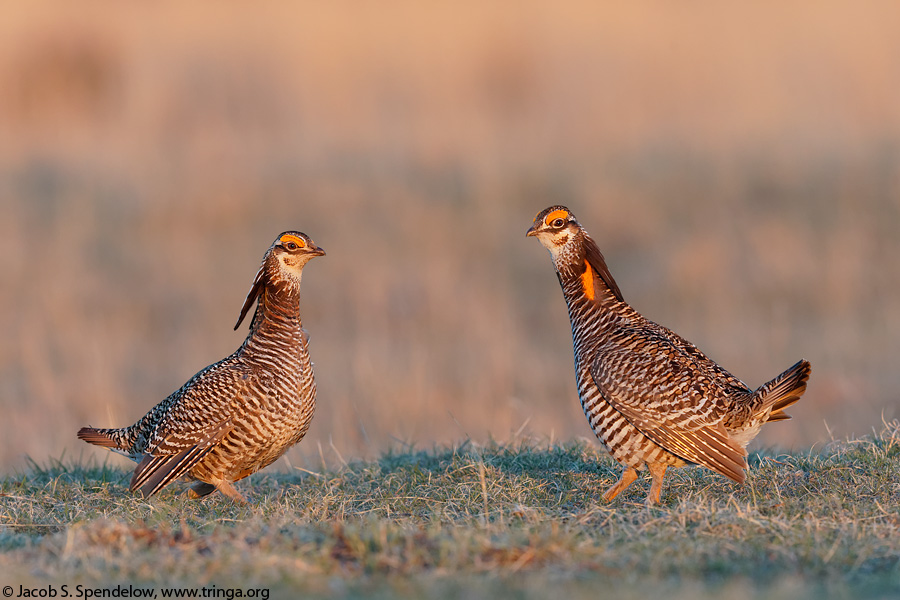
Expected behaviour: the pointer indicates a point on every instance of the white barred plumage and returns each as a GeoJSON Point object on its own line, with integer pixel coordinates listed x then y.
{"type": "Point", "coordinates": [651, 397]}
{"type": "Point", "coordinates": [242, 413]}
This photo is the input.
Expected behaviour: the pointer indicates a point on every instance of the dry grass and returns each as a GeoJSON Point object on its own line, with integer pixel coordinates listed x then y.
{"type": "Point", "coordinates": [738, 165]}
{"type": "Point", "coordinates": [502, 520]}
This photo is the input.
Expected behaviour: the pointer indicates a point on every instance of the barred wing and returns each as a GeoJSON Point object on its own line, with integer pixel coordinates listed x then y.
{"type": "Point", "coordinates": [664, 394]}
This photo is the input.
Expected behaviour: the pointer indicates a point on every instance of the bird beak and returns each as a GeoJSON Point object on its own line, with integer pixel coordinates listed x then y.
{"type": "Point", "coordinates": [317, 251]}
{"type": "Point", "coordinates": [531, 232]}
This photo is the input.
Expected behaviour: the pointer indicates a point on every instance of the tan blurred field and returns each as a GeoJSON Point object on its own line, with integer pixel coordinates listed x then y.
{"type": "Point", "coordinates": [738, 164]}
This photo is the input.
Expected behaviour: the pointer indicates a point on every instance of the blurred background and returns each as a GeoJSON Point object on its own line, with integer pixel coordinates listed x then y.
{"type": "Point", "coordinates": [738, 163]}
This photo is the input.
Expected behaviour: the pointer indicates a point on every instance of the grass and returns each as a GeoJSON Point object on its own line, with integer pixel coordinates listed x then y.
{"type": "Point", "coordinates": [738, 165]}
{"type": "Point", "coordinates": [520, 520]}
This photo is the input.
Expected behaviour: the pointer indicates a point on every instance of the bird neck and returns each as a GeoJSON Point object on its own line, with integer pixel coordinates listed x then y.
{"type": "Point", "coordinates": [584, 275]}
{"type": "Point", "coordinates": [583, 285]}
{"type": "Point", "coordinates": [276, 323]}
{"type": "Point", "coordinates": [594, 308]}
{"type": "Point", "coordinates": [593, 298]}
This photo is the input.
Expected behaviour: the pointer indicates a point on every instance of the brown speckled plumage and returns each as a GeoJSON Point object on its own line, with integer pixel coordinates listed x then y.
{"type": "Point", "coordinates": [651, 397]}
{"type": "Point", "coordinates": [240, 414]}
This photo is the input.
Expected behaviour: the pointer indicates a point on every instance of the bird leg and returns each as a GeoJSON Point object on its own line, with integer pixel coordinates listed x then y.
{"type": "Point", "coordinates": [657, 471]}
{"type": "Point", "coordinates": [627, 478]}
{"type": "Point", "coordinates": [202, 489]}
{"type": "Point", "coordinates": [229, 490]}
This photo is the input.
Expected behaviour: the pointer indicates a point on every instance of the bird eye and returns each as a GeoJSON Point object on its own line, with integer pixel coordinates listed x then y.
{"type": "Point", "coordinates": [291, 246]}
{"type": "Point", "coordinates": [557, 223]}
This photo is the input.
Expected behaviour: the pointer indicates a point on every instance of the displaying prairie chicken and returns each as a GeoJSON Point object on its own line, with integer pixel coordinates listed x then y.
{"type": "Point", "coordinates": [651, 397]}
{"type": "Point", "coordinates": [240, 414]}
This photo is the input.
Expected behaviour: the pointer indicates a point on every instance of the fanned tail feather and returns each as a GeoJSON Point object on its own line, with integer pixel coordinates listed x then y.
{"type": "Point", "coordinates": [785, 390]}
{"type": "Point", "coordinates": [99, 437]}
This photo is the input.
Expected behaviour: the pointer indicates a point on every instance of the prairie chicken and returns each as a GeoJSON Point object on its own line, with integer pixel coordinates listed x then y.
{"type": "Point", "coordinates": [651, 397]}
{"type": "Point", "coordinates": [240, 414]}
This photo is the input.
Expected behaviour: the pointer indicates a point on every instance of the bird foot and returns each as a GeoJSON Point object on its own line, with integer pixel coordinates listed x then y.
{"type": "Point", "coordinates": [657, 472]}
{"type": "Point", "coordinates": [627, 478]}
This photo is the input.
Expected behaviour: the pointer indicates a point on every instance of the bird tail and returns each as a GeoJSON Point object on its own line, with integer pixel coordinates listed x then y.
{"type": "Point", "coordinates": [106, 438]}
{"type": "Point", "coordinates": [784, 390]}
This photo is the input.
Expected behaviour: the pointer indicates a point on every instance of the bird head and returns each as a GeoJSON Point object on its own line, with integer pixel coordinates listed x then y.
{"type": "Point", "coordinates": [570, 246]}
{"type": "Point", "coordinates": [289, 253]}
{"type": "Point", "coordinates": [282, 266]}
{"type": "Point", "coordinates": [556, 229]}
